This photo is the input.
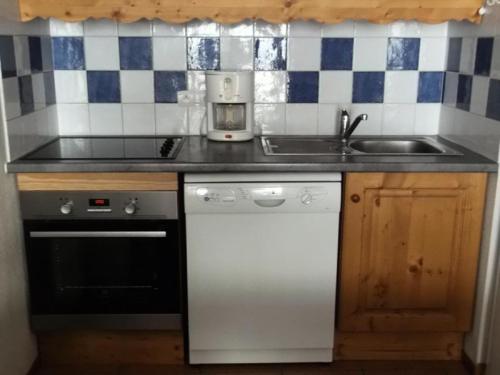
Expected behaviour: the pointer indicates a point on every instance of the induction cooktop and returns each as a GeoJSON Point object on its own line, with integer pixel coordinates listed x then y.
{"type": "Point", "coordinates": [108, 148]}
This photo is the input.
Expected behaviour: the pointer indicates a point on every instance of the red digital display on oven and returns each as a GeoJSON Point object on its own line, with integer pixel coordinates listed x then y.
{"type": "Point", "coordinates": [99, 202]}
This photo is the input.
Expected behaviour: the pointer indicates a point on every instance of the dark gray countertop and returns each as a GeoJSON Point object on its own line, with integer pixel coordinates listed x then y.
{"type": "Point", "coordinates": [200, 155]}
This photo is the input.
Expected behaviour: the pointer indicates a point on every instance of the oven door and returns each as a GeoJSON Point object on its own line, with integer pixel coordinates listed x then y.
{"type": "Point", "coordinates": [104, 273]}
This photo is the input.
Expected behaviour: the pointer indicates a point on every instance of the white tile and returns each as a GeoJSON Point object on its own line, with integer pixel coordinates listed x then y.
{"type": "Point", "coordinates": [433, 54]}
{"type": "Point", "coordinates": [401, 87]}
{"type": "Point", "coordinates": [427, 118]}
{"type": "Point", "coordinates": [197, 120]}
{"type": "Point", "coordinates": [304, 29]}
{"type": "Point", "coordinates": [370, 54]}
{"type": "Point", "coordinates": [270, 119]}
{"type": "Point", "coordinates": [161, 28]}
{"type": "Point", "coordinates": [495, 65]}
{"type": "Point", "coordinates": [169, 53]}
{"type": "Point", "coordinates": [102, 53]}
{"type": "Point", "coordinates": [139, 28]}
{"type": "Point", "coordinates": [244, 28]}
{"type": "Point", "coordinates": [329, 118]}
{"type": "Point", "coordinates": [467, 58]}
{"type": "Point", "coordinates": [335, 86]}
{"type": "Point", "coordinates": [203, 28]}
{"type": "Point", "coordinates": [73, 119]}
{"type": "Point", "coordinates": [342, 30]}
{"type": "Point", "coordinates": [450, 89]}
{"type": "Point", "coordinates": [38, 91]}
{"type": "Point", "coordinates": [398, 119]}
{"type": "Point", "coordinates": [263, 28]}
{"type": "Point", "coordinates": [304, 54]}
{"type": "Point", "coordinates": [22, 54]}
{"type": "Point", "coordinates": [368, 29]}
{"type": "Point", "coordinates": [171, 119]}
{"type": "Point", "coordinates": [270, 87]}
{"type": "Point", "coordinates": [11, 97]}
{"type": "Point", "coordinates": [373, 125]}
{"type": "Point", "coordinates": [47, 62]}
{"type": "Point", "coordinates": [479, 97]}
{"type": "Point", "coordinates": [437, 30]}
{"type": "Point", "coordinates": [138, 119]}
{"type": "Point", "coordinates": [236, 53]}
{"type": "Point", "coordinates": [404, 29]}
{"type": "Point", "coordinates": [15, 138]}
{"type": "Point", "coordinates": [63, 28]}
{"type": "Point", "coordinates": [301, 119]}
{"type": "Point", "coordinates": [137, 86]}
{"type": "Point", "coordinates": [71, 86]}
{"type": "Point", "coordinates": [196, 80]}
{"type": "Point", "coordinates": [106, 119]}
{"type": "Point", "coordinates": [100, 28]}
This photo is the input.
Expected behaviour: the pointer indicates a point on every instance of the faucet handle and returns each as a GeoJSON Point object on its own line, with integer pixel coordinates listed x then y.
{"type": "Point", "coordinates": [364, 117]}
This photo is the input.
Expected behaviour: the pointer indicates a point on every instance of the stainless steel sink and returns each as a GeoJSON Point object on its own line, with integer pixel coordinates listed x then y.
{"type": "Point", "coordinates": [419, 146]}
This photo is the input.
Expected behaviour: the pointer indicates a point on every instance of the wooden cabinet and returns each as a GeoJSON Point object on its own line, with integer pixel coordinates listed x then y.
{"type": "Point", "coordinates": [276, 11]}
{"type": "Point", "coordinates": [409, 254]}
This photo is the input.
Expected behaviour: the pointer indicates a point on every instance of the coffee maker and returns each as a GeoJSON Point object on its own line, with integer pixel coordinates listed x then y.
{"type": "Point", "coordinates": [230, 106]}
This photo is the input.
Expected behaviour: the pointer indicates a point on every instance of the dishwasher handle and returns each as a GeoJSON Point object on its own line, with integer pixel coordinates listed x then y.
{"type": "Point", "coordinates": [269, 203]}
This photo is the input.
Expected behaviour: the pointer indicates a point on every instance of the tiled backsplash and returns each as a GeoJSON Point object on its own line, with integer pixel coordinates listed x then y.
{"type": "Point", "coordinates": [471, 111]}
{"type": "Point", "coordinates": [123, 78]}
{"type": "Point", "coordinates": [28, 86]}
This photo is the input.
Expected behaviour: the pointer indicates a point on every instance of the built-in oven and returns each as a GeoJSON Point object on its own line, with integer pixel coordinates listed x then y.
{"type": "Point", "coordinates": [103, 259]}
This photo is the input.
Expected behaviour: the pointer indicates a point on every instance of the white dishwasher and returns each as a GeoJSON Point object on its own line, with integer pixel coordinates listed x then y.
{"type": "Point", "coordinates": [262, 266]}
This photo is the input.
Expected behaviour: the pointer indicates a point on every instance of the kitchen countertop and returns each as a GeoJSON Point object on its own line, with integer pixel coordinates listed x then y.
{"type": "Point", "coordinates": [200, 155]}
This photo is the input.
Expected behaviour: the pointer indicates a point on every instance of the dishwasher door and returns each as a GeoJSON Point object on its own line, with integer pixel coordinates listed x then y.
{"type": "Point", "coordinates": [262, 270]}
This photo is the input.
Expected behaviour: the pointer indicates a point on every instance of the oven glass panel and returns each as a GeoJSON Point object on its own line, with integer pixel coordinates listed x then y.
{"type": "Point", "coordinates": [85, 275]}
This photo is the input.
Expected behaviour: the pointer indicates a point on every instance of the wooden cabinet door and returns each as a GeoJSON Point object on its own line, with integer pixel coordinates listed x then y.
{"type": "Point", "coordinates": [409, 253]}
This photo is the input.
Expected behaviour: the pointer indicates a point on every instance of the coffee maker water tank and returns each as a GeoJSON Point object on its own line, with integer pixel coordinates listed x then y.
{"type": "Point", "coordinates": [230, 113]}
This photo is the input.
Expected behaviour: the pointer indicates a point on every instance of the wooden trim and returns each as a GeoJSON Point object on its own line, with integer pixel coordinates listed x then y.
{"type": "Point", "coordinates": [472, 367]}
{"type": "Point", "coordinates": [97, 181]}
{"type": "Point", "coordinates": [110, 347]}
{"type": "Point", "coordinates": [398, 346]}
{"type": "Point", "coordinates": [275, 11]}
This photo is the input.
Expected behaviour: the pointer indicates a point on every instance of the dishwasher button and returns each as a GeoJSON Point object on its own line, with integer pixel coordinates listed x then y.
{"type": "Point", "coordinates": [306, 198]}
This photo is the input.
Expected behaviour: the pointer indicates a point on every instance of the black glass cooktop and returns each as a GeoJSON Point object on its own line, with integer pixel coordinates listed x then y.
{"type": "Point", "coordinates": [108, 148]}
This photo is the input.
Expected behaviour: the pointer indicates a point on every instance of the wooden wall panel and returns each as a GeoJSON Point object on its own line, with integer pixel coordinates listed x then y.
{"type": "Point", "coordinates": [276, 11]}
{"type": "Point", "coordinates": [97, 181]}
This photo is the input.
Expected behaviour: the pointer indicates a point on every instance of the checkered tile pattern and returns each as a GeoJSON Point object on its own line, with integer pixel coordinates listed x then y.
{"type": "Point", "coordinates": [473, 84]}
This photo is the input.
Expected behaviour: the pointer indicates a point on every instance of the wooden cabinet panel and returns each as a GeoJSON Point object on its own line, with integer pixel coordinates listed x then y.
{"type": "Point", "coordinates": [409, 251]}
{"type": "Point", "coordinates": [276, 11]}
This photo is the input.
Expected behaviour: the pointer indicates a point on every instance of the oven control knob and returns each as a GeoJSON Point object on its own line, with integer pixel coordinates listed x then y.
{"type": "Point", "coordinates": [306, 198]}
{"type": "Point", "coordinates": [131, 208]}
{"type": "Point", "coordinates": [67, 208]}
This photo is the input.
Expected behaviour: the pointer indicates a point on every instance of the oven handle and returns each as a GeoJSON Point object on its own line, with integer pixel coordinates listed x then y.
{"type": "Point", "coordinates": [97, 234]}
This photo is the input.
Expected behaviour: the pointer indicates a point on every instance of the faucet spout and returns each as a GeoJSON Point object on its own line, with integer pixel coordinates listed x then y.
{"type": "Point", "coordinates": [350, 129]}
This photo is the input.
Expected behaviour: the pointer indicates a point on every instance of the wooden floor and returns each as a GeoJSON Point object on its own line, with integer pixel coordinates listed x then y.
{"type": "Point", "coordinates": [340, 368]}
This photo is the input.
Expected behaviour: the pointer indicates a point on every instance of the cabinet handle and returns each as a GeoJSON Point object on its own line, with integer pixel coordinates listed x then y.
{"type": "Point", "coordinates": [355, 198]}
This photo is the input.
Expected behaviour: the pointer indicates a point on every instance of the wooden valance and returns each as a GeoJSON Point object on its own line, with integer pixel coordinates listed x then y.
{"type": "Point", "coordinates": [275, 11]}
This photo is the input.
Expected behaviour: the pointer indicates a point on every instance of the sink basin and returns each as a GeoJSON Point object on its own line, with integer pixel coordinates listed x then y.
{"type": "Point", "coordinates": [296, 145]}
{"type": "Point", "coordinates": [396, 146]}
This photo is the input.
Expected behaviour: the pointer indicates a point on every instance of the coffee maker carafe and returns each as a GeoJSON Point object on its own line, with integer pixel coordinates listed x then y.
{"type": "Point", "coordinates": [230, 106]}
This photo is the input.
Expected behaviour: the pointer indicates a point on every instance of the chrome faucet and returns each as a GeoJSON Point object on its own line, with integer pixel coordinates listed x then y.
{"type": "Point", "coordinates": [346, 128]}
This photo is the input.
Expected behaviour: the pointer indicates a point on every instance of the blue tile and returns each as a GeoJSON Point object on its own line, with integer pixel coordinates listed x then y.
{"type": "Point", "coordinates": [167, 84]}
{"type": "Point", "coordinates": [103, 87]}
{"type": "Point", "coordinates": [35, 45]}
{"type": "Point", "coordinates": [270, 54]}
{"type": "Point", "coordinates": [368, 87]}
{"type": "Point", "coordinates": [493, 107]}
{"type": "Point", "coordinates": [136, 53]}
{"type": "Point", "coordinates": [68, 53]}
{"type": "Point", "coordinates": [203, 54]}
{"type": "Point", "coordinates": [26, 95]}
{"type": "Point", "coordinates": [484, 52]}
{"type": "Point", "coordinates": [303, 87]}
{"type": "Point", "coordinates": [336, 53]}
{"type": "Point", "coordinates": [430, 87]}
{"type": "Point", "coordinates": [403, 53]}
{"type": "Point", "coordinates": [464, 92]}
{"type": "Point", "coordinates": [7, 56]}
{"type": "Point", "coordinates": [50, 88]}
{"type": "Point", "coordinates": [454, 53]}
